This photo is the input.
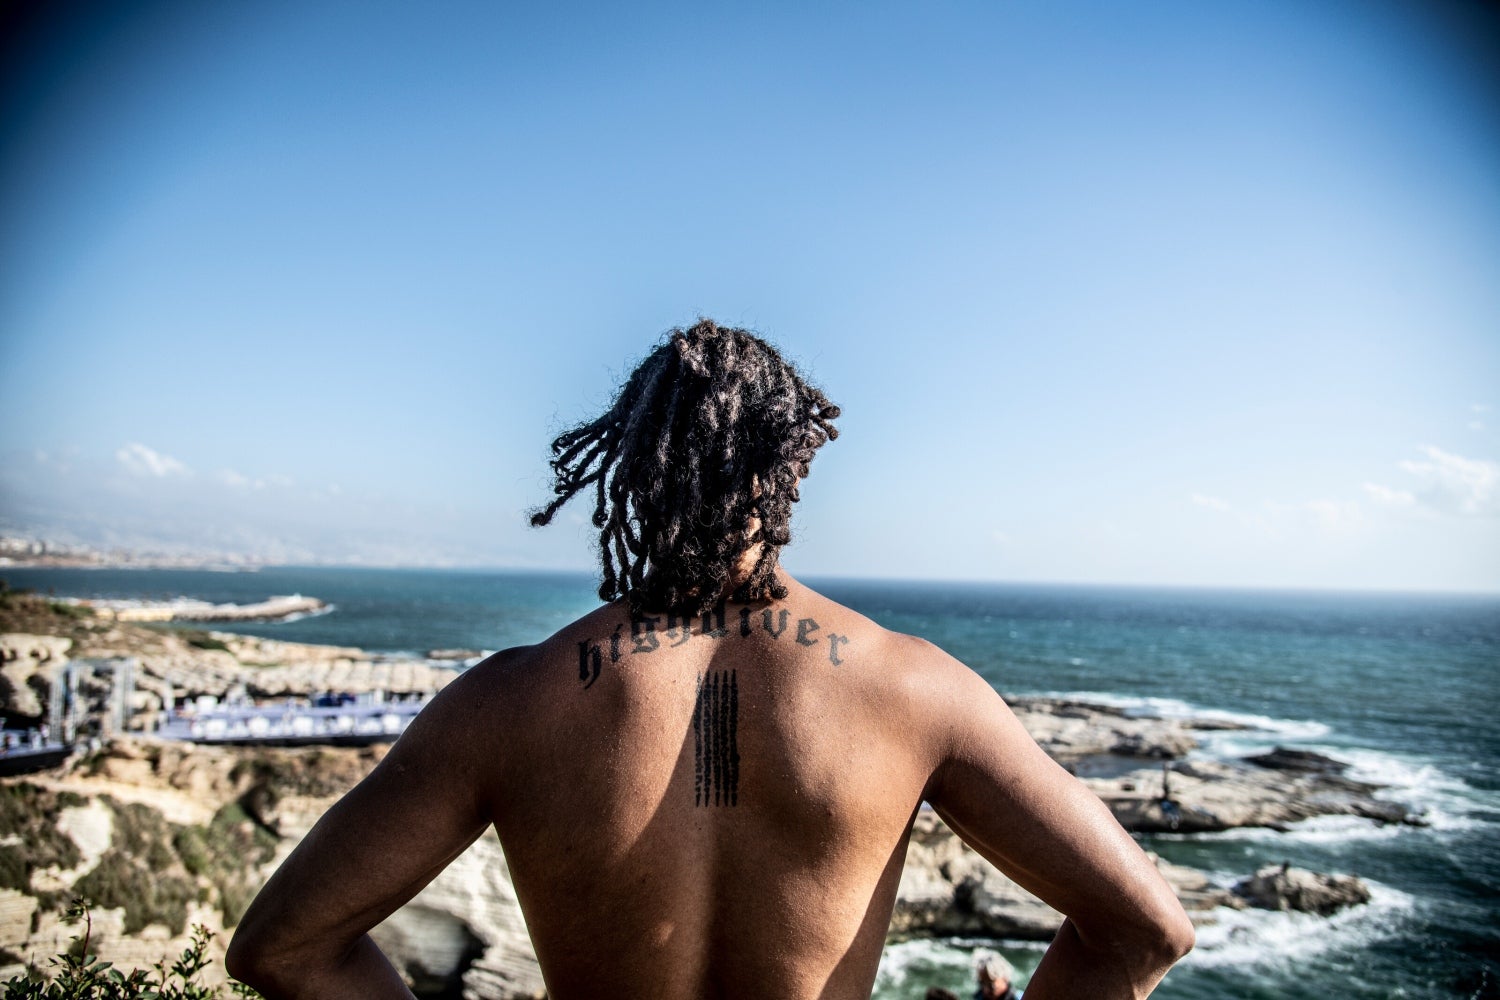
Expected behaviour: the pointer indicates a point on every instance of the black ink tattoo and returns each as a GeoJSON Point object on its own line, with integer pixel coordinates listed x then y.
{"type": "Point", "coordinates": [805, 628]}
{"type": "Point", "coordinates": [643, 631]}
{"type": "Point", "coordinates": [833, 648]}
{"type": "Point", "coordinates": [590, 661]}
{"type": "Point", "coordinates": [765, 619]}
{"type": "Point", "coordinates": [716, 749]}
{"type": "Point", "coordinates": [715, 629]}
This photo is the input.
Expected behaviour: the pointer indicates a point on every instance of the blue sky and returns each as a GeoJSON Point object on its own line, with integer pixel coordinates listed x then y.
{"type": "Point", "coordinates": [1166, 293]}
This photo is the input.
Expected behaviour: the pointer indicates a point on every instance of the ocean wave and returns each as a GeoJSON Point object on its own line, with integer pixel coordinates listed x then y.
{"type": "Point", "coordinates": [1445, 802]}
{"type": "Point", "coordinates": [297, 616]}
{"type": "Point", "coordinates": [1316, 830]}
{"type": "Point", "coordinates": [1284, 938]}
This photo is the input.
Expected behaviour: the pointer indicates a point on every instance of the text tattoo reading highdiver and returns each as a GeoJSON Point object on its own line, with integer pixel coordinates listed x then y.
{"type": "Point", "coordinates": [716, 748]}
{"type": "Point", "coordinates": [647, 633]}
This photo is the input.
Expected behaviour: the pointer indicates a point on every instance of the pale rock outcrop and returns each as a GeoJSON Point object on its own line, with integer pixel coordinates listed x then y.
{"type": "Point", "coordinates": [25, 660]}
{"type": "Point", "coordinates": [1072, 731]}
{"type": "Point", "coordinates": [1211, 796]}
{"type": "Point", "coordinates": [1281, 887]}
{"type": "Point", "coordinates": [468, 913]}
{"type": "Point", "coordinates": [947, 888]}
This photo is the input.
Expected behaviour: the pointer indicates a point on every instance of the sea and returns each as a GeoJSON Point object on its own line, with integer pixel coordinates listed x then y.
{"type": "Point", "coordinates": [1403, 687]}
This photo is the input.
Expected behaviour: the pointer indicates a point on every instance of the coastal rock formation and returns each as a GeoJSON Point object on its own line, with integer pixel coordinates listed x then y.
{"type": "Point", "coordinates": [1281, 887]}
{"type": "Point", "coordinates": [1084, 737]}
{"type": "Point", "coordinates": [271, 609]}
{"type": "Point", "coordinates": [1211, 796]}
{"type": "Point", "coordinates": [948, 889]}
{"type": "Point", "coordinates": [26, 666]}
{"type": "Point", "coordinates": [465, 928]}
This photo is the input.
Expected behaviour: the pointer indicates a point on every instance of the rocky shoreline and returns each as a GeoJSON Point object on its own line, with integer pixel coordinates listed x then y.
{"type": "Point", "coordinates": [168, 833]}
{"type": "Point", "coordinates": [272, 609]}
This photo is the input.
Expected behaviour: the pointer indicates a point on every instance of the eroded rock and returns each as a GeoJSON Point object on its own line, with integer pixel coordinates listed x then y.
{"type": "Point", "coordinates": [1281, 887]}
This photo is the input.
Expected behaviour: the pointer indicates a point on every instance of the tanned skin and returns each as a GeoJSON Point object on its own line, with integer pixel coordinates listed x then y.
{"type": "Point", "coordinates": [720, 812]}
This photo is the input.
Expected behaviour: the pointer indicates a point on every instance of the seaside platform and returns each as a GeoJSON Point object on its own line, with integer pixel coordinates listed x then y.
{"type": "Point", "coordinates": [293, 725]}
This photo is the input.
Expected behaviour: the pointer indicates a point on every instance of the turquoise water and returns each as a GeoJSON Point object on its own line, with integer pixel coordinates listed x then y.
{"type": "Point", "coordinates": [1402, 686]}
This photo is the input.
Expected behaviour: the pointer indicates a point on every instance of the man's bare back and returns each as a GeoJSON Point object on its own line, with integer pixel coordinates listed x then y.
{"type": "Point", "coordinates": [712, 804]}
{"type": "Point", "coordinates": [712, 809]}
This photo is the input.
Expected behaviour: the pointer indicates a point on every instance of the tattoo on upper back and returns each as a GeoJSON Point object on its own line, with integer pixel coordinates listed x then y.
{"type": "Point", "coordinates": [647, 632]}
{"type": "Point", "coordinates": [716, 749]}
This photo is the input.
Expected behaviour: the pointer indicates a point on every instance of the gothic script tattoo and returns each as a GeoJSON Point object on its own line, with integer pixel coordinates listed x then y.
{"type": "Point", "coordinates": [647, 633]}
{"type": "Point", "coordinates": [716, 749]}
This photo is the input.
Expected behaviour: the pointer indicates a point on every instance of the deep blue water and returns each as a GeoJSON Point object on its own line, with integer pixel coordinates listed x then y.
{"type": "Point", "coordinates": [1402, 686]}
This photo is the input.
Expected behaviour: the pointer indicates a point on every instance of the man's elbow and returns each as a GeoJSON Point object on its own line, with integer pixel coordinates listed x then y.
{"type": "Point", "coordinates": [1172, 933]}
{"type": "Point", "coordinates": [249, 960]}
{"type": "Point", "coordinates": [1148, 941]}
{"type": "Point", "coordinates": [239, 958]}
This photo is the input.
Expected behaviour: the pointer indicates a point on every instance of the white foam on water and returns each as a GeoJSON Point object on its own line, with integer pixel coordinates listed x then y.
{"type": "Point", "coordinates": [297, 616]}
{"type": "Point", "coordinates": [1284, 938]}
{"type": "Point", "coordinates": [897, 959]}
{"type": "Point", "coordinates": [922, 955]}
{"type": "Point", "coordinates": [1443, 801]}
{"type": "Point", "coordinates": [1317, 830]}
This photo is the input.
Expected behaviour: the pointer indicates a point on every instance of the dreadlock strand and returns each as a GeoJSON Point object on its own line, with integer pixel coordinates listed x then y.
{"type": "Point", "coordinates": [710, 432]}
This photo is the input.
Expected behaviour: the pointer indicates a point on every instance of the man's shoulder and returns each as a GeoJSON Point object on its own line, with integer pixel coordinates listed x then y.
{"type": "Point", "coordinates": [899, 652]}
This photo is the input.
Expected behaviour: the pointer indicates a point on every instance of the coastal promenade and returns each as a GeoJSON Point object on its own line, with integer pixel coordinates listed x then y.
{"type": "Point", "coordinates": [358, 724]}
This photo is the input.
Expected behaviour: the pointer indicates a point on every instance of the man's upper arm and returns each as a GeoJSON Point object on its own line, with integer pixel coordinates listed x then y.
{"type": "Point", "coordinates": [1033, 820]}
{"type": "Point", "coordinates": [426, 802]}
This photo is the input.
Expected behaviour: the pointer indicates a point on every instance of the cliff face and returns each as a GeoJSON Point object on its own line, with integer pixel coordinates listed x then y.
{"type": "Point", "coordinates": [159, 836]}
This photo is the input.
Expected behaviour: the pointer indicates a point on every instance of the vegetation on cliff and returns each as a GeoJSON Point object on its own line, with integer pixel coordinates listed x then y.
{"type": "Point", "coordinates": [80, 975]}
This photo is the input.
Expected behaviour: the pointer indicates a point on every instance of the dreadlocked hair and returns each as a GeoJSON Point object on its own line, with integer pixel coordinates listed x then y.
{"type": "Point", "coordinates": [710, 434]}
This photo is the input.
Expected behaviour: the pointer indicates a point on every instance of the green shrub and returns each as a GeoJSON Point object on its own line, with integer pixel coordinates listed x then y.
{"type": "Point", "coordinates": [81, 976]}
{"type": "Point", "coordinates": [13, 872]}
{"type": "Point", "coordinates": [192, 847]}
{"type": "Point", "coordinates": [199, 639]}
{"type": "Point", "coordinates": [29, 814]}
{"type": "Point", "coordinates": [142, 832]}
{"type": "Point", "coordinates": [147, 896]}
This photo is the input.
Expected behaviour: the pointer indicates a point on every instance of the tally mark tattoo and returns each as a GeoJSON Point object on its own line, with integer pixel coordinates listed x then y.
{"type": "Point", "coordinates": [716, 749]}
{"type": "Point", "coordinates": [650, 633]}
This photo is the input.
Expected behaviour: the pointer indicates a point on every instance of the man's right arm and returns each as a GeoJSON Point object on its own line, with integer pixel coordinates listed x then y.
{"type": "Point", "coordinates": [1044, 829]}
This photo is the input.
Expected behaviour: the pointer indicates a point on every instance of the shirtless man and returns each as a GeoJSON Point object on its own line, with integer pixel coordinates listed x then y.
{"type": "Point", "coordinates": [704, 788]}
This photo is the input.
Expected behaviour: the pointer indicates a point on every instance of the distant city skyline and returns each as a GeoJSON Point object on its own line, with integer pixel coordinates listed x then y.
{"type": "Point", "coordinates": [1170, 294]}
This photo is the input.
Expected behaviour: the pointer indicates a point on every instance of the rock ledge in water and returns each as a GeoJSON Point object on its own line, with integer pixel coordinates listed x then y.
{"type": "Point", "coordinates": [1281, 887]}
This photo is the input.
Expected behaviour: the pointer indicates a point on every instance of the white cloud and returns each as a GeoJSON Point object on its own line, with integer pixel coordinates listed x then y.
{"type": "Point", "coordinates": [233, 479]}
{"type": "Point", "coordinates": [140, 460]}
{"type": "Point", "coordinates": [1388, 496]}
{"type": "Point", "coordinates": [1335, 515]}
{"type": "Point", "coordinates": [1452, 483]}
{"type": "Point", "coordinates": [1000, 537]}
{"type": "Point", "coordinates": [1480, 407]}
{"type": "Point", "coordinates": [1212, 503]}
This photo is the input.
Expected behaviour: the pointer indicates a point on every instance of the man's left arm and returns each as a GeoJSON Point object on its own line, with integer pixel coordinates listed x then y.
{"type": "Point", "coordinates": [305, 935]}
